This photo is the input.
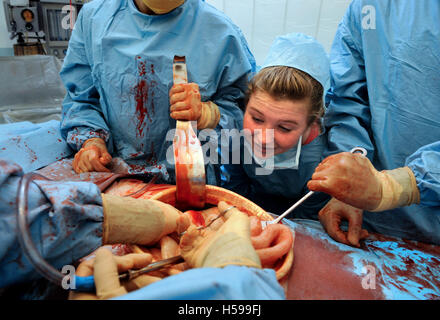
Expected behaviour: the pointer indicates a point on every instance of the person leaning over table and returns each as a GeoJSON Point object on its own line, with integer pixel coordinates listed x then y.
{"type": "Point", "coordinates": [118, 73]}
{"type": "Point", "coordinates": [384, 96]}
{"type": "Point", "coordinates": [352, 179]}
{"type": "Point", "coordinates": [285, 97]}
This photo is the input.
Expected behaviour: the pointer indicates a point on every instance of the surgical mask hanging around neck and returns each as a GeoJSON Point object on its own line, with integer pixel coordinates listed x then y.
{"type": "Point", "coordinates": [285, 160]}
{"type": "Point", "coordinates": [288, 159]}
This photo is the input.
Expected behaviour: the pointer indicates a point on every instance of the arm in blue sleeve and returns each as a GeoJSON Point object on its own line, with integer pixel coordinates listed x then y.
{"type": "Point", "coordinates": [348, 117]}
{"type": "Point", "coordinates": [425, 164]}
{"type": "Point", "coordinates": [82, 116]}
{"type": "Point", "coordinates": [68, 231]}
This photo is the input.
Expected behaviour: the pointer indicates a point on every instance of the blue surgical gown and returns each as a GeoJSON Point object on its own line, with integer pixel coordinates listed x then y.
{"type": "Point", "coordinates": [32, 145]}
{"type": "Point", "coordinates": [279, 190]}
{"type": "Point", "coordinates": [425, 164]}
{"type": "Point", "coordinates": [228, 283]}
{"type": "Point", "coordinates": [118, 73]}
{"type": "Point", "coordinates": [385, 96]}
{"type": "Point", "coordinates": [68, 231]}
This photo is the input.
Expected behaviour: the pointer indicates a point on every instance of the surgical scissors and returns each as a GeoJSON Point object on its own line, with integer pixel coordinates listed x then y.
{"type": "Point", "coordinates": [87, 284]}
{"type": "Point", "coordinates": [31, 252]}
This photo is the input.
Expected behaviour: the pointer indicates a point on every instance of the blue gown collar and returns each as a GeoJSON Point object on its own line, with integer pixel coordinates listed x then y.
{"type": "Point", "coordinates": [134, 10]}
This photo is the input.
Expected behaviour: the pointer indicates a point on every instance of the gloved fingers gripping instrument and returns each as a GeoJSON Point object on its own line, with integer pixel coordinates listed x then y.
{"type": "Point", "coordinates": [38, 262]}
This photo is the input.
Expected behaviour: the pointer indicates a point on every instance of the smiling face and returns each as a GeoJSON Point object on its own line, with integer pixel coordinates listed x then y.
{"type": "Point", "coordinates": [287, 118]}
{"type": "Point", "coordinates": [284, 101]}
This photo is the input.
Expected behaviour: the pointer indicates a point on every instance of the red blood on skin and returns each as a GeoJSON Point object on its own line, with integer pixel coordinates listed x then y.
{"type": "Point", "coordinates": [322, 271]}
{"type": "Point", "coordinates": [196, 218]}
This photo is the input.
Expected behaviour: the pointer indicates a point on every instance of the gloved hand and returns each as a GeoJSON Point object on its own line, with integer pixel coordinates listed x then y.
{"type": "Point", "coordinates": [352, 179]}
{"type": "Point", "coordinates": [186, 104]}
{"type": "Point", "coordinates": [229, 245]}
{"type": "Point", "coordinates": [139, 221]}
{"type": "Point", "coordinates": [331, 217]}
{"type": "Point", "coordinates": [106, 268]}
{"type": "Point", "coordinates": [93, 156]}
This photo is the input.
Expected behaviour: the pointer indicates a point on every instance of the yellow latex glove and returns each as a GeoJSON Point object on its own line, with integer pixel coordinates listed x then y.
{"type": "Point", "coordinates": [139, 221]}
{"type": "Point", "coordinates": [331, 217]}
{"type": "Point", "coordinates": [93, 156]}
{"type": "Point", "coordinates": [352, 179]}
{"type": "Point", "coordinates": [186, 104]}
{"type": "Point", "coordinates": [229, 245]}
{"type": "Point", "coordinates": [105, 268]}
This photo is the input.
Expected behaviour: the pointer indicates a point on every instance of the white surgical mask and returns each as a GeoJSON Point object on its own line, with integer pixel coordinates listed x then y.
{"type": "Point", "coordinates": [285, 160]}
{"type": "Point", "coordinates": [162, 6]}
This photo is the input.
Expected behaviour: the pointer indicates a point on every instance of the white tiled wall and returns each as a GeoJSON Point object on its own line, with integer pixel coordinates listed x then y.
{"type": "Point", "coordinates": [262, 20]}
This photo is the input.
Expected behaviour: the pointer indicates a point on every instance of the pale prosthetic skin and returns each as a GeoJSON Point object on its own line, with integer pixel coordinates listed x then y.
{"type": "Point", "coordinates": [229, 245]}
{"type": "Point", "coordinates": [271, 244]}
{"type": "Point", "coordinates": [170, 248]}
{"type": "Point", "coordinates": [137, 221]}
{"type": "Point", "coordinates": [226, 242]}
{"type": "Point", "coordinates": [211, 214]}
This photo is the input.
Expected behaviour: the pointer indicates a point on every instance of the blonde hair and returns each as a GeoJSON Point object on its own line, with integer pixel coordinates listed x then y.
{"type": "Point", "coordinates": [287, 83]}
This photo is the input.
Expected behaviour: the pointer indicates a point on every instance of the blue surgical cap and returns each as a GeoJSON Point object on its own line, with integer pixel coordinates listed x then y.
{"type": "Point", "coordinates": [302, 52]}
